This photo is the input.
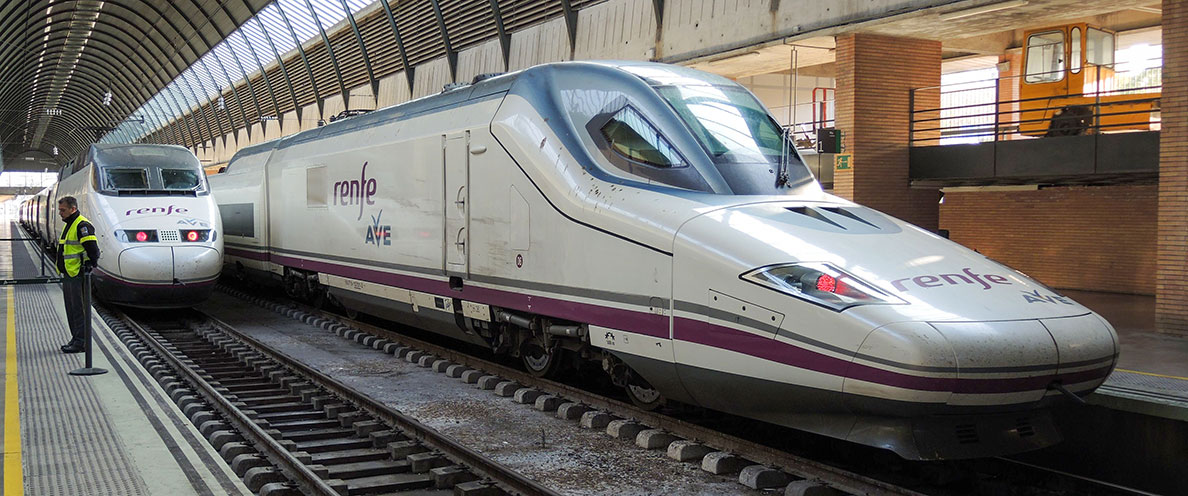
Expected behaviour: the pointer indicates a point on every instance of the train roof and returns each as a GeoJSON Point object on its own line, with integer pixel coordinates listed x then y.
{"type": "Point", "coordinates": [134, 155]}
{"type": "Point", "coordinates": [652, 73]}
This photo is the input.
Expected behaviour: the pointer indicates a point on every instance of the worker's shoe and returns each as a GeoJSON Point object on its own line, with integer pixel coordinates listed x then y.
{"type": "Point", "coordinates": [72, 348]}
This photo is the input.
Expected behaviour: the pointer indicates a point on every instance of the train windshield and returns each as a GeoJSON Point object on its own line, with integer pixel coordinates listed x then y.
{"type": "Point", "coordinates": [127, 178]}
{"type": "Point", "coordinates": [149, 170]}
{"type": "Point", "coordinates": [735, 130]}
{"type": "Point", "coordinates": [176, 179]}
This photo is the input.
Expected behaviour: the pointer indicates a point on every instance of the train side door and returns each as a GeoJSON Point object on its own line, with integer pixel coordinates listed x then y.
{"type": "Point", "coordinates": [457, 203]}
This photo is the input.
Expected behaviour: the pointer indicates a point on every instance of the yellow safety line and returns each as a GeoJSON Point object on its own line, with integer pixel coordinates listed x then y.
{"type": "Point", "coordinates": [14, 477]}
{"type": "Point", "coordinates": [1153, 374]}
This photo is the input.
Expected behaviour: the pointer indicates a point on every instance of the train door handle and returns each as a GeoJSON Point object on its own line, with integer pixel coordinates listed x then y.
{"type": "Point", "coordinates": [460, 203]}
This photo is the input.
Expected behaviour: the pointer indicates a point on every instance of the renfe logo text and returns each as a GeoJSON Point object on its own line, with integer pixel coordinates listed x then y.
{"type": "Point", "coordinates": [355, 191]}
{"type": "Point", "coordinates": [966, 277]}
{"type": "Point", "coordinates": [170, 210]}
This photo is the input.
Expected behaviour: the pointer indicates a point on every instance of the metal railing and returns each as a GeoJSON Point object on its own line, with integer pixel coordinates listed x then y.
{"type": "Point", "coordinates": [43, 261]}
{"type": "Point", "coordinates": [977, 111]}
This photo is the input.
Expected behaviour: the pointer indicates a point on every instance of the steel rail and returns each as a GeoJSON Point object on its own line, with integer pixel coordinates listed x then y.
{"type": "Point", "coordinates": [298, 472]}
{"type": "Point", "coordinates": [506, 478]}
{"type": "Point", "coordinates": [802, 467]}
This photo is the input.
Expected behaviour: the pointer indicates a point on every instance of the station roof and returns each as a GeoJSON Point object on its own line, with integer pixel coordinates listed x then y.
{"type": "Point", "coordinates": [73, 72]}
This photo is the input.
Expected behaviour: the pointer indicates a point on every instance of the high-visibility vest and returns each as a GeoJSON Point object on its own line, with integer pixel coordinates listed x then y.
{"type": "Point", "coordinates": [72, 249]}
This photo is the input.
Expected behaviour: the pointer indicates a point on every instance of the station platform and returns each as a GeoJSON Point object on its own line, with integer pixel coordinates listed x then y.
{"type": "Point", "coordinates": [112, 434]}
{"type": "Point", "coordinates": [1152, 373]}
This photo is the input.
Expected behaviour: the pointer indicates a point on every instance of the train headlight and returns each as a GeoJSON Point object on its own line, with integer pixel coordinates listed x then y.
{"type": "Point", "coordinates": [137, 235]}
{"type": "Point", "coordinates": [819, 283]}
{"type": "Point", "coordinates": [195, 235]}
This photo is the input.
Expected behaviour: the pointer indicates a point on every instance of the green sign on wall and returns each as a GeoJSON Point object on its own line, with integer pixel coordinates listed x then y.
{"type": "Point", "coordinates": [843, 161]}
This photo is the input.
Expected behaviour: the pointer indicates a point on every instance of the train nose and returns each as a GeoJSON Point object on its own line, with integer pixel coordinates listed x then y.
{"type": "Point", "coordinates": [983, 363]}
{"type": "Point", "coordinates": [162, 264]}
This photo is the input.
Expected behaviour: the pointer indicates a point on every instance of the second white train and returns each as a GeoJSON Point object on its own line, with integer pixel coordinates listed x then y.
{"type": "Point", "coordinates": [158, 228]}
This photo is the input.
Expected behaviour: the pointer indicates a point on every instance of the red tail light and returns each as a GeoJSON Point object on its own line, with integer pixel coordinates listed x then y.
{"type": "Point", "coordinates": [141, 236]}
{"type": "Point", "coordinates": [826, 283]}
{"type": "Point", "coordinates": [192, 236]}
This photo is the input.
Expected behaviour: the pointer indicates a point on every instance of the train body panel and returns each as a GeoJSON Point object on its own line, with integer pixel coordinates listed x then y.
{"type": "Point", "coordinates": [607, 212]}
{"type": "Point", "coordinates": [154, 191]}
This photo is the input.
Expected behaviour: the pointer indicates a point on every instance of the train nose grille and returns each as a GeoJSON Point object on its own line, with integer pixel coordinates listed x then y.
{"type": "Point", "coordinates": [165, 236]}
{"type": "Point", "coordinates": [967, 434]}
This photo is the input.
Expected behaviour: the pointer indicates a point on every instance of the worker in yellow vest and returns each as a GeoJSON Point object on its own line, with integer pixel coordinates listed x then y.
{"type": "Point", "coordinates": [78, 251]}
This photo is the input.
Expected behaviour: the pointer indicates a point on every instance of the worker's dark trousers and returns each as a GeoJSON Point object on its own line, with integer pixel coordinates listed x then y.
{"type": "Point", "coordinates": [72, 292]}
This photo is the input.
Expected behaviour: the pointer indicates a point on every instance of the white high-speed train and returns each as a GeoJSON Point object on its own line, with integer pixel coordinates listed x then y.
{"type": "Point", "coordinates": [158, 228]}
{"type": "Point", "coordinates": [654, 219]}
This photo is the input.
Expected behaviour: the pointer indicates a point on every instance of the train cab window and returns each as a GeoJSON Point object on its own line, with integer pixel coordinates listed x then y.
{"type": "Point", "coordinates": [747, 146]}
{"type": "Point", "coordinates": [1074, 47]}
{"type": "Point", "coordinates": [1099, 47]}
{"type": "Point", "coordinates": [632, 137]}
{"type": "Point", "coordinates": [1045, 57]}
{"type": "Point", "coordinates": [119, 179]}
{"type": "Point", "coordinates": [183, 179]}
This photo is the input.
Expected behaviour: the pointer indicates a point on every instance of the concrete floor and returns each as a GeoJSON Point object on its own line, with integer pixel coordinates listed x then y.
{"type": "Point", "coordinates": [1143, 349]}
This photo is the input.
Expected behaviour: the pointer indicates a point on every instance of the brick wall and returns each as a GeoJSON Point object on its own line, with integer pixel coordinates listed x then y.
{"type": "Point", "coordinates": [1171, 302]}
{"type": "Point", "coordinates": [1097, 238]}
{"type": "Point", "coordinates": [875, 77]}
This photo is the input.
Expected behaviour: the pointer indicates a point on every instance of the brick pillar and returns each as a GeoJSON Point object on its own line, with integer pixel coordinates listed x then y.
{"type": "Point", "coordinates": [1008, 91]}
{"type": "Point", "coordinates": [875, 76]}
{"type": "Point", "coordinates": [1171, 269]}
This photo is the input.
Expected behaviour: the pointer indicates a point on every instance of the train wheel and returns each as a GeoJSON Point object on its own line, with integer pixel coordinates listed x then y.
{"type": "Point", "coordinates": [644, 396]}
{"type": "Point", "coordinates": [539, 360]}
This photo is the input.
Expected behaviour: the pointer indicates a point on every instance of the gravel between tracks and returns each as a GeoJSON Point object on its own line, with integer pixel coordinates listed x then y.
{"type": "Point", "coordinates": [553, 451]}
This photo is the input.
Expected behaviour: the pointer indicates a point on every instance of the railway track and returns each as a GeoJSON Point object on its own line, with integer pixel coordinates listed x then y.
{"type": "Point", "coordinates": [758, 466]}
{"type": "Point", "coordinates": [775, 466]}
{"type": "Point", "coordinates": [286, 428]}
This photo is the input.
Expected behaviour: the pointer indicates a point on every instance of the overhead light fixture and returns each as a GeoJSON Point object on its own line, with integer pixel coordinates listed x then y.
{"type": "Point", "coordinates": [983, 9]}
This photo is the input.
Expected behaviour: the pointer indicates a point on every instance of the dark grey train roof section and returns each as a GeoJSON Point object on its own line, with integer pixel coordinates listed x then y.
{"type": "Point", "coordinates": [483, 89]}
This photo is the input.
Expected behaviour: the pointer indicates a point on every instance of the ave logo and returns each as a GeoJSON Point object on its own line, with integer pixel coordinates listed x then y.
{"type": "Point", "coordinates": [378, 234]}
{"type": "Point", "coordinates": [1036, 297]}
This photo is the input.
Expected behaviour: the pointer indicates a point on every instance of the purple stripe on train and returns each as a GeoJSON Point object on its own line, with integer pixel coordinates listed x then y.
{"type": "Point", "coordinates": [700, 332]}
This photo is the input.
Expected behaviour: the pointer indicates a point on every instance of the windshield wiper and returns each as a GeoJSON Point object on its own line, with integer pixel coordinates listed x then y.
{"type": "Point", "coordinates": [782, 171]}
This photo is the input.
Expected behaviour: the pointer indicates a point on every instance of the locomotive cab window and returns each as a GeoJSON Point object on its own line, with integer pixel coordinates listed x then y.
{"type": "Point", "coordinates": [742, 140]}
{"type": "Point", "coordinates": [118, 179]}
{"type": "Point", "coordinates": [1045, 57]}
{"type": "Point", "coordinates": [1099, 47]}
{"type": "Point", "coordinates": [180, 179]}
{"type": "Point", "coordinates": [632, 137]}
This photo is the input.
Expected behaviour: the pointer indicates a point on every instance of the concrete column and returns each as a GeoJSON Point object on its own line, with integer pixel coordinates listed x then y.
{"type": "Point", "coordinates": [875, 76]}
{"type": "Point", "coordinates": [1171, 270]}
